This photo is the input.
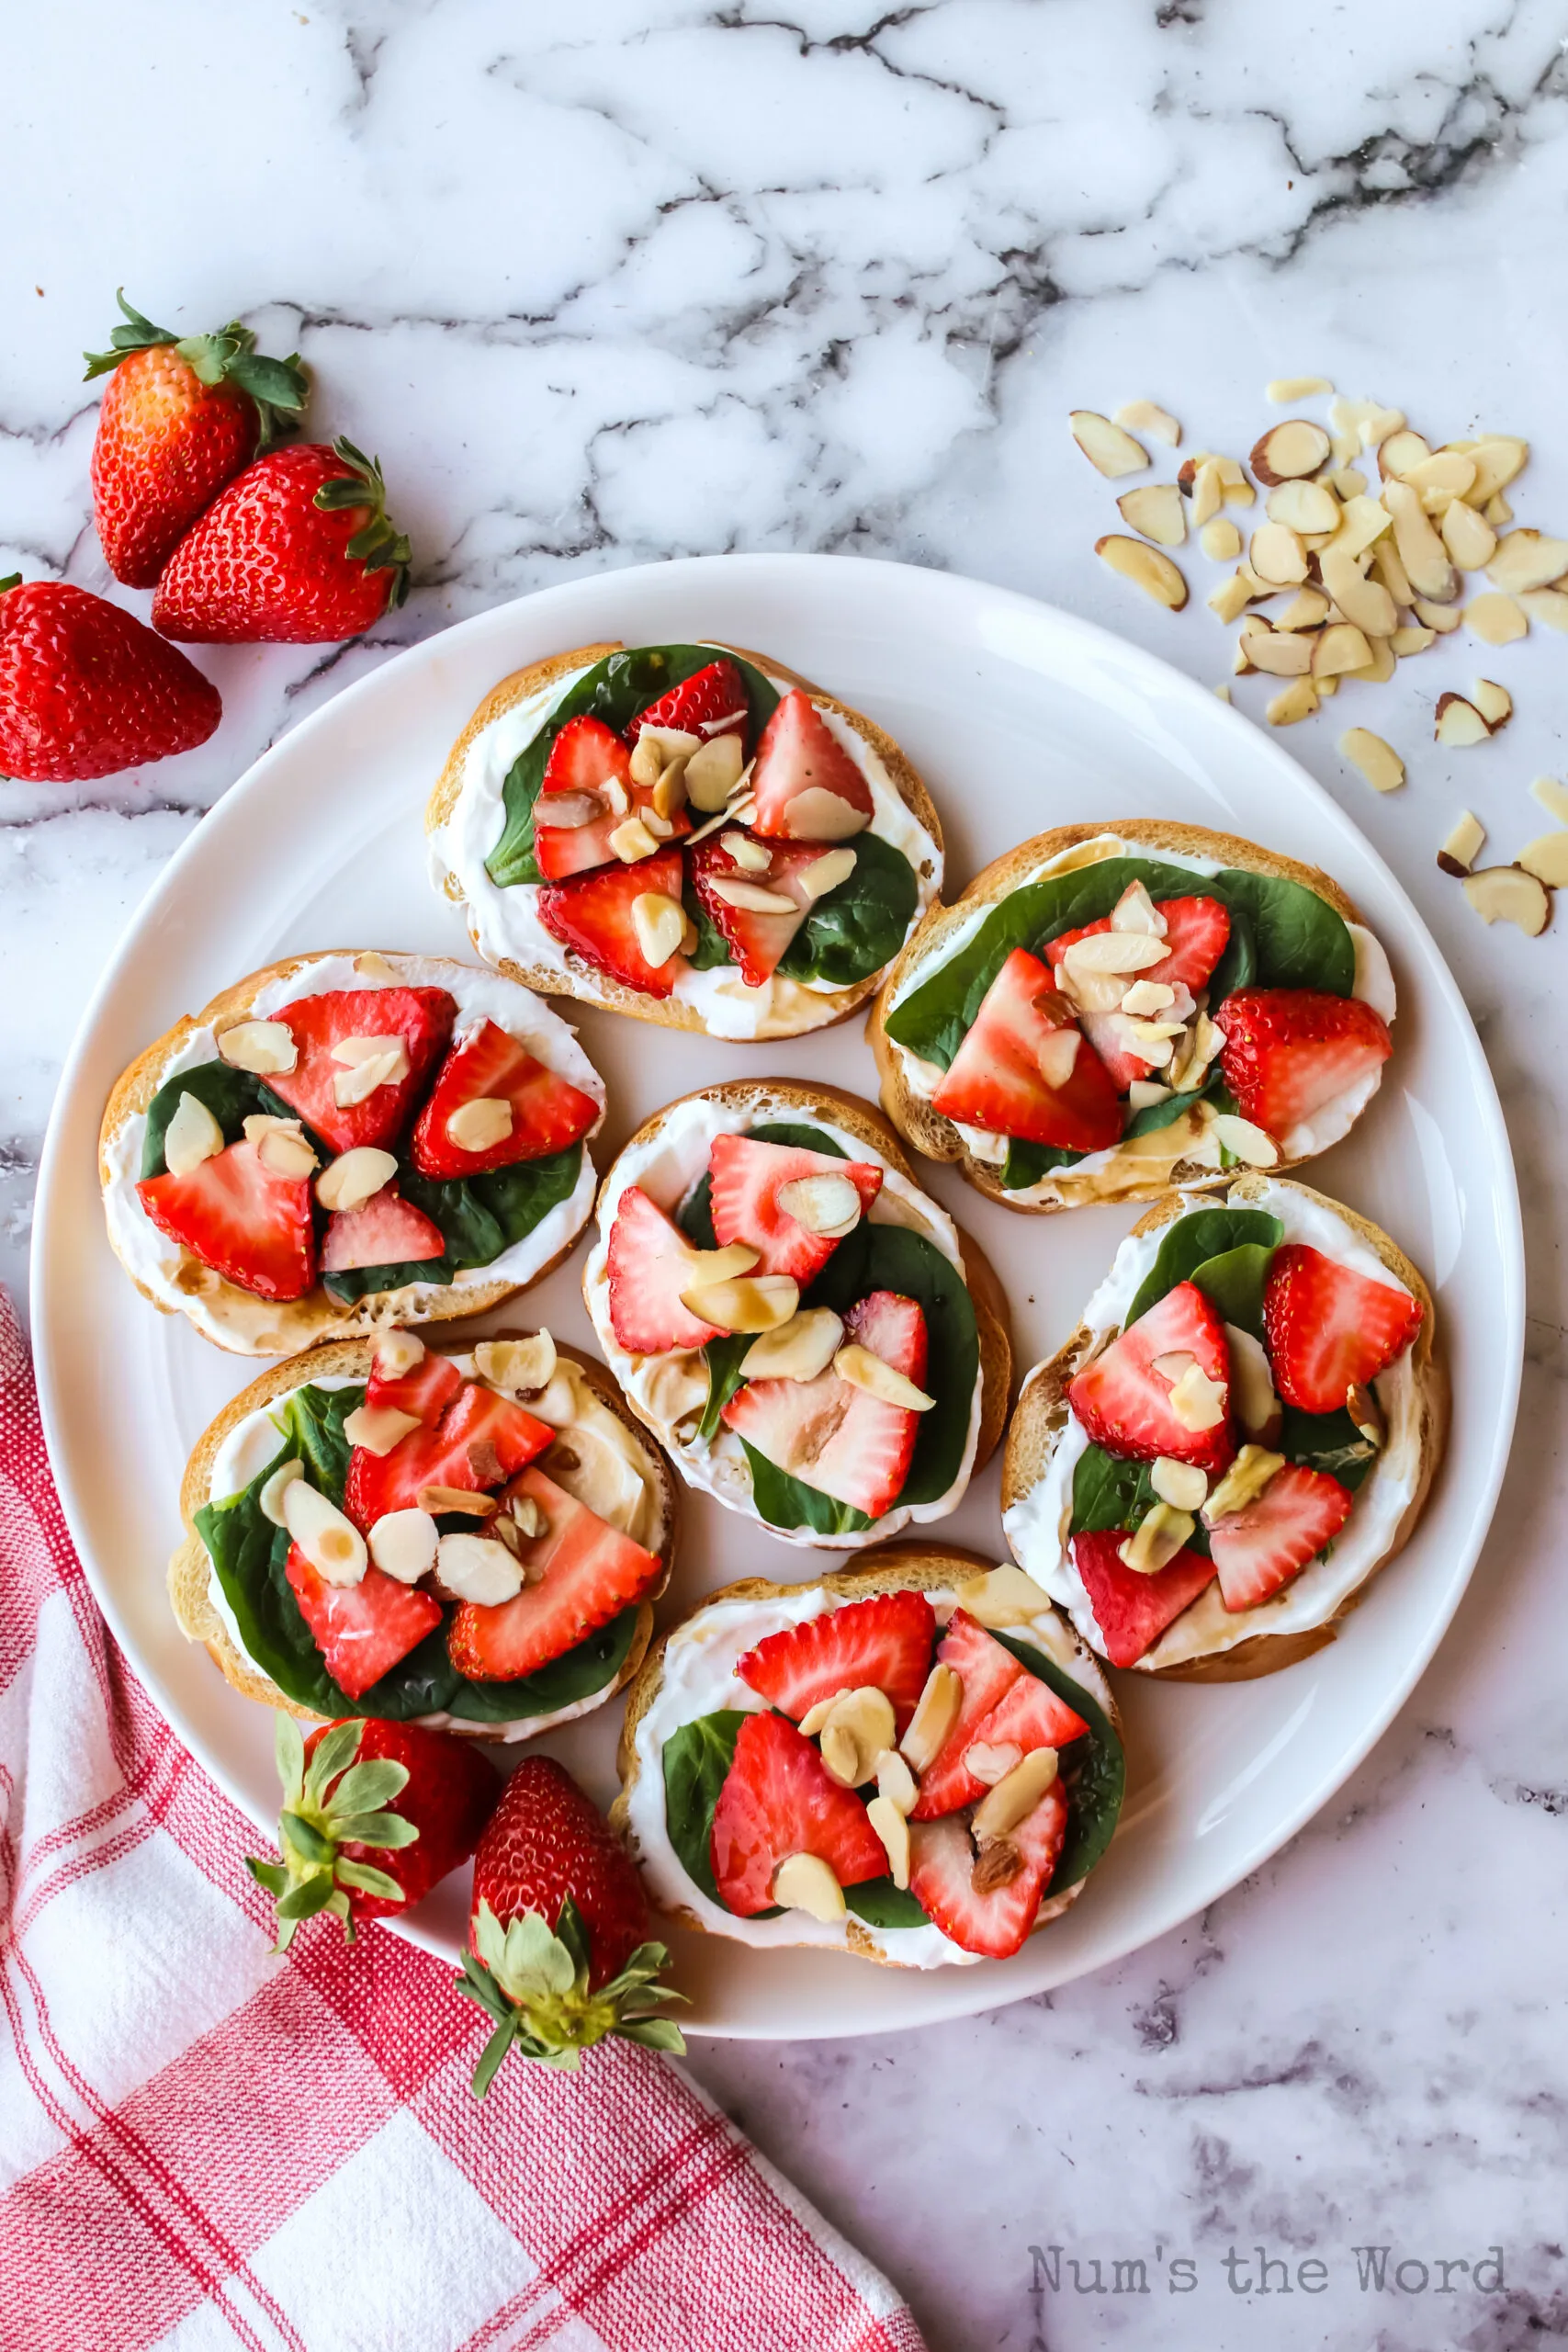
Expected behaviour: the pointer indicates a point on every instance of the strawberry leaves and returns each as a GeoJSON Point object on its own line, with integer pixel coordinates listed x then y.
{"type": "Point", "coordinates": [278, 386]}
{"type": "Point", "coordinates": [535, 1985]}
{"type": "Point", "coordinates": [335, 1802]}
{"type": "Point", "coordinates": [378, 544]}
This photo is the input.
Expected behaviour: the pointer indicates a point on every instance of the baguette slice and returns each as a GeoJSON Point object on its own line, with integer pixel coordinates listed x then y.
{"type": "Point", "coordinates": [890, 1567]}
{"type": "Point", "coordinates": [236, 1320]}
{"type": "Point", "coordinates": [190, 1568]}
{"type": "Point", "coordinates": [1138, 1171]}
{"type": "Point", "coordinates": [807, 1009]}
{"type": "Point", "coordinates": [763, 1099]}
{"type": "Point", "coordinates": [1042, 1416]}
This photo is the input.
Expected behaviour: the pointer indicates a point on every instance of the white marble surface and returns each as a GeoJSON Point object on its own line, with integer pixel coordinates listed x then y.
{"type": "Point", "coordinates": [607, 283]}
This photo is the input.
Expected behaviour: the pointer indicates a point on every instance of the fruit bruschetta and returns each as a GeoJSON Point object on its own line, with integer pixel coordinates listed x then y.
{"type": "Point", "coordinates": [345, 1138]}
{"type": "Point", "coordinates": [1239, 1435]}
{"type": "Point", "coordinates": [809, 1335]}
{"type": "Point", "coordinates": [1109, 1010]}
{"type": "Point", "coordinates": [474, 1541]}
{"type": "Point", "coordinates": [685, 832]}
{"type": "Point", "coordinates": [915, 1760]}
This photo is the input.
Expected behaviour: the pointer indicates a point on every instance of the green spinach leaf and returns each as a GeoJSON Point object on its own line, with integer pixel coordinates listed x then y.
{"type": "Point", "coordinates": [712, 948]}
{"type": "Point", "coordinates": [1026, 1163]}
{"type": "Point", "coordinates": [697, 1759]}
{"type": "Point", "coordinates": [1233, 1283]}
{"type": "Point", "coordinates": [1237, 967]}
{"type": "Point", "coordinates": [859, 927]}
{"type": "Point", "coordinates": [1327, 1442]}
{"type": "Point", "coordinates": [1301, 942]}
{"type": "Point", "coordinates": [881, 1904]}
{"type": "Point", "coordinates": [480, 1216]}
{"type": "Point", "coordinates": [785, 1501]}
{"type": "Point", "coordinates": [231, 1095]}
{"type": "Point", "coordinates": [1094, 1771]}
{"type": "Point", "coordinates": [1191, 1240]}
{"type": "Point", "coordinates": [892, 1257]}
{"type": "Point", "coordinates": [1110, 1493]}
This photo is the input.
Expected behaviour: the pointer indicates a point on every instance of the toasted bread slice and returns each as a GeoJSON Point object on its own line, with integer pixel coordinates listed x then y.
{"type": "Point", "coordinates": [891, 1567]}
{"type": "Point", "coordinates": [1136, 1170]}
{"type": "Point", "coordinates": [567, 973]}
{"type": "Point", "coordinates": [1041, 1416]}
{"type": "Point", "coordinates": [190, 1568]}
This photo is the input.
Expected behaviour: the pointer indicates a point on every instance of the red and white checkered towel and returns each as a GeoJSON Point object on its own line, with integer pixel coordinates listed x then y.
{"type": "Point", "coordinates": [201, 2146]}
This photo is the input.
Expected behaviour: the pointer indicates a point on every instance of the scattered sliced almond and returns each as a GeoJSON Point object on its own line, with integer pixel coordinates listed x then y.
{"type": "Point", "coordinates": [1147, 568]}
{"type": "Point", "coordinates": [1279, 655]}
{"type": "Point", "coordinates": [482, 1123]}
{"type": "Point", "coordinates": [1249, 1474]}
{"type": "Point", "coordinates": [747, 1303]}
{"type": "Point", "coordinates": [856, 1730]}
{"type": "Point", "coordinates": [798, 1350]}
{"type": "Point", "coordinates": [1157, 510]}
{"type": "Point", "coordinates": [1459, 723]}
{"type": "Point", "coordinates": [662, 828]}
{"type": "Point", "coordinates": [1143, 416]}
{"type": "Point", "coordinates": [1378, 761]}
{"type": "Point", "coordinates": [1494, 703]}
{"type": "Point", "coordinates": [896, 1782]}
{"type": "Point", "coordinates": [1547, 858]}
{"type": "Point", "coordinates": [818, 815]}
{"type": "Point", "coordinates": [1115, 951]}
{"type": "Point", "coordinates": [1297, 701]}
{"type": "Point", "coordinates": [723, 1265]}
{"type": "Point", "coordinates": [1365, 603]}
{"type": "Point", "coordinates": [1180, 1484]}
{"type": "Point", "coordinates": [1253, 1400]}
{"type": "Point", "coordinates": [1289, 450]}
{"type": "Point", "coordinates": [862, 1370]}
{"type": "Point", "coordinates": [1365, 523]}
{"type": "Point", "coordinates": [266, 1048]}
{"type": "Point", "coordinates": [1551, 795]}
{"type": "Point", "coordinates": [526, 1513]}
{"type": "Point", "coordinates": [1059, 1053]}
{"type": "Point", "coordinates": [934, 1718]}
{"type": "Point", "coordinates": [1365, 424]}
{"type": "Point", "coordinates": [805, 1882]}
{"type": "Point", "coordinates": [570, 811]}
{"type": "Point", "coordinates": [1400, 451]}
{"type": "Point", "coordinates": [1220, 540]}
{"type": "Point", "coordinates": [1441, 618]}
{"type": "Point", "coordinates": [992, 1761]}
{"type": "Point", "coordinates": [1235, 488]}
{"type": "Point", "coordinates": [1197, 1402]}
{"type": "Point", "coordinates": [1458, 852]}
{"type": "Point", "coordinates": [660, 922]}
{"type": "Point", "coordinates": [1407, 642]}
{"type": "Point", "coordinates": [519, 1367]}
{"type": "Point", "coordinates": [1340, 649]}
{"type": "Point", "coordinates": [1507, 894]}
{"type": "Point", "coordinates": [1206, 490]}
{"type": "Point", "coordinates": [1496, 619]}
{"type": "Point", "coordinates": [1307, 610]}
{"type": "Point", "coordinates": [477, 1568]}
{"type": "Point", "coordinates": [1277, 556]}
{"type": "Point", "coordinates": [713, 770]}
{"type": "Point", "coordinates": [1421, 551]}
{"type": "Point", "coordinates": [894, 1831]}
{"type": "Point", "coordinates": [829, 1207]}
{"type": "Point", "coordinates": [192, 1135]}
{"type": "Point", "coordinates": [1347, 482]}
{"type": "Point", "coordinates": [1439, 480]}
{"type": "Point", "coordinates": [354, 1177]}
{"type": "Point", "coordinates": [1231, 598]}
{"type": "Point", "coordinates": [1286, 389]}
{"type": "Point", "coordinates": [1379, 670]}
{"type": "Point", "coordinates": [1142, 1001]}
{"type": "Point", "coordinates": [1366, 1413]}
{"type": "Point", "coordinates": [647, 759]}
{"type": "Point", "coordinates": [1497, 510]}
{"type": "Point", "coordinates": [1304, 506]}
{"type": "Point", "coordinates": [632, 841]}
{"type": "Point", "coordinates": [752, 857]}
{"type": "Point", "coordinates": [1497, 460]}
{"type": "Point", "coordinates": [1526, 559]}
{"type": "Point", "coordinates": [332, 1543]}
{"type": "Point", "coordinates": [826, 874]}
{"type": "Point", "coordinates": [1014, 1798]}
{"type": "Point", "coordinates": [465, 1501]}
{"type": "Point", "coordinates": [398, 1351]}
{"type": "Point", "coordinates": [402, 1545]}
{"type": "Point", "coordinates": [281, 1146]}
{"type": "Point", "coordinates": [1470, 541]}
{"type": "Point", "coordinates": [670, 795]}
{"type": "Point", "coordinates": [1547, 605]}
{"type": "Point", "coordinates": [272, 1494]}
{"type": "Point", "coordinates": [362, 1078]}
{"type": "Point", "coordinates": [1109, 449]}
{"type": "Point", "coordinates": [1249, 1144]}
{"type": "Point", "coordinates": [1003, 1597]}
{"type": "Point", "coordinates": [1145, 1093]}
{"type": "Point", "coordinates": [1154, 1543]}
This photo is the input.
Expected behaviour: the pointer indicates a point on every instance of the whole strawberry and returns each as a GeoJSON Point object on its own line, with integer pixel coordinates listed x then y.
{"type": "Point", "coordinates": [180, 416]}
{"type": "Point", "coordinates": [86, 689]}
{"type": "Point", "coordinates": [343, 1850]}
{"type": "Point", "coordinates": [297, 550]}
{"type": "Point", "coordinates": [557, 1930]}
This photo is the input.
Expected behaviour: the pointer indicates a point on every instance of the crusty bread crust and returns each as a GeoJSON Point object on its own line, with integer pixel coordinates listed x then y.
{"type": "Point", "coordinates": [190, 1568]}
{"type": "Point", "coordinates": [993, 1324]}
{"type": "Point", "coordinates": [897, 1567]}
{"type": "Point", "coordinates": [301, 1322]}
{"type": "Point", "coordinates": [581, 979]}
{"type": "Point", "coordinates": [1123, 1179]}
{"type": "Point", "coordinates": [1041, 1417]}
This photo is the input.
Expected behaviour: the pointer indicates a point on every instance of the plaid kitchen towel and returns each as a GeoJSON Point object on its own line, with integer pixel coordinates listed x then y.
{"type": "Point", "coordinates": [202, 2146]}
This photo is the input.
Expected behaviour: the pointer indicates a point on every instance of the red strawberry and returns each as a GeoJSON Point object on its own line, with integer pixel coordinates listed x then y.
{"type": "Point", "coordinates": [588, 1573]}
{"type": "Point", "coordinates": [807, 787]}
{"type": "Point", "coordinates": [1028, 1715]}
{"type": "Point", "coordinates": [593, 914]}
{"type": "Point", "coordinates": [1289, 1051]}
{"type": "Point", "coordinates": [362, 1630]}
{"type": "Point", "coordinates": [425, 1389]}
{"type": "Point", "coordinates": [1122, 1398]}
{"type": "Point", "coordinates": [250, 1226]}
{"type": "Point", "coordinates": [427, 1793]}
{"type": "Point", "coordinates": [710, 702]}
{"type": "Point", "coordinates": [1329, 1329]}
{"type": "Point", "coordinates": [1262, 1546]}
{"type": "Point", "coordinates": [558, 1931]}
{"type": "Point", "coordinates": [987, 1902]}
{"type": "Point", "coordinates": [480, 1440]}
{"type": "Point", "coordinates": [423, 1018]}
{"type": "Point", "coordinates": [834, 1437]}
{"type": "Point", "coordinates": [998, 1081]}
{"type": "Point", "coordinates": [585, 756]}
{"type": "Point", "coordinates": [649, 1263]}
{"type": "Point", "coordinates": [758, 940]}
{"type": "Point", "coordinates": [297, 550]}
{"type": "Point", "coordinates": [747, 1175]}
{"type": "Point", "coordinates": [1196, 931]}
{"type": "Point", "coordinates": [779, 1799]}
{"type": "Point", "coordinates": [988, 1672]}
{"type": "Point", "coordinates": [387, 1231]}
{"type": "Point", "coordinates": [87, 690]}
{"type": "Point", "coordinates": [1132, 1610]}
{"type": "Point", "coordinates": [884, 1643]}
{"type": "Point", "coordinates": [547, 1112]}
{"type": "Point", "coordinates": [179, 418]}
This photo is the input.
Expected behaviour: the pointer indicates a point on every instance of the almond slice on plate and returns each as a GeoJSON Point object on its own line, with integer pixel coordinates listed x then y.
{"type": "Point", "coordinates": [1143, 416]}
{"type": "Point", "coordinates": [1363, 523]}
{"type": "Point", "coordinates": [1421, 551]}
{"type": "Point", "coordinates": [1365, 603]}
{"type": "Point", "coordinates": [1547, 858]}
{"type": "Point", "coordinates": [1494, 703]}
{"type": "Point", "coordinates": [1308, 610]}
{"type": "Point", "coordinates": [1277, 555]}
{"type": "Point", "coordinates": [1442, 618]}
{"type": "Point", "coordinates": [1470, 541]}
{"type": "Point", "coordinates": [1406, 641]}
{"type": "Point", "coordinates": [1507, 894]}
{"type": "Point", "coordinates": [1458, 722]}
{"type": "Point", "coordinates": [1220, 540]}
{"type": "Point", "coordinates": [1305, 507]}
{"type": "Point", "coordinates": [1232, 597]}
{"type": "Point", "coordinates": [1439, 480]}
{"type": "Point", "coordinates": [1378, 761]}
{"type": "Point", "coordinates": [1526, 559]}
{"type": "Point", "coordinates": [1496, 618]}
{"type": "Point", "coordinates": [1400, 451]}
{"type": "Point", "coordinates": [1283, 389]}
{"type": "Point", "coordinates": [1340, 648]}
{"type": "Point", "coordinates": [263, 1048]}
{"type": "Point", "coordinates": [1110, 449]}
{"type": "Point", "coordinates": [1458, 852]}
{"type": "Point", "coordinates": [1549, 605]}
{"type": "Point", "coordinates": [1299, 700]}
{"type": "Point", "coordinates": [1289, 450]}
{"type": "Point", "coordinates": [1147, 568]}
{"type": "Point", "coordinates": [1497, 460]}
{"type": "Point", "coordinates": [1157, 510]}
{"type": "Point", "coordinates": [1551, 796]}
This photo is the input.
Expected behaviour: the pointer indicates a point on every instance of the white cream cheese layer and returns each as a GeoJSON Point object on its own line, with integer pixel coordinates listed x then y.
{"type": "Point", "coordinates": [504, 923]}
{"type": "Point", "coordinates": [699, 1678]}
{"type": "Point", "coordinates": [610, 1474]}
{"type": "Point", "coordinates": [1037, 1524]}
{"type": "Point", "coordinates": [1105, 1175]}
{"type": "Point", "coordinates": [221, 1311]}
{"type": "Point", "coordinates": [670, 1390]}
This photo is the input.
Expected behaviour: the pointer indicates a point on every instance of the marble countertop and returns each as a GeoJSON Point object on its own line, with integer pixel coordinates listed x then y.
{"type": "Point", "coordinates": [607, 284]}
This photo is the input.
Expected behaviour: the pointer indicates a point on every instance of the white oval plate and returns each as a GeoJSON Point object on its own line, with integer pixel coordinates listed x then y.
{"type": "Point", "coordinates": [1019, 717]}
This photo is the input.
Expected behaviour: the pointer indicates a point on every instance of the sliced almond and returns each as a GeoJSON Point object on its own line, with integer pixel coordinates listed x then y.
{"type": "Point", "coordinates": [1157, 510]}
{"type": "Point", "coordinates": [570, 811]}
{"type": "Point", "coordinates": [857, 1729]}
{"type": "Point", "coordinates": [1249, 1474]}
{"type": "Point", "coordinates": [1458, 853]}
{"type": "Point", "coordinates": [1364, 425]}
{"type": "Point", "coordinates": [1014, 1798]}
{"type": "Point", "coordinates": [1340, 649]}
{"type": "Point", "coordinates": [713, 770]}
{"type": "Point", "coordinates": [748, 1303]}
{"type": "Point", "coordinates": [1378, 761]}
{"type": "Point", "coordinates": [818, 815]}
{"type": "Point", "coordinates": [1220, 540]}
{"type": "Point", "coordinates": [752, 857]}
{"type": "Point", "coordinates": [1347, 482]}
{"type": "Point", "coordinates": [660, 922]}
{"type": "Point", "coordinates": [992, 1761]}
{"type": "Point", "coordinates": [1235, 488]}
{"type": "Point", "coordinates": [1154, 1543]}
{"type": "Point", "coordinates": [1547, 858]}
{"type": "Point", "coordinates": [1193, 1056]}
{"type": "Point", "coordinates": [1497, 460]}
{"type": "Point", "coordinates": [1135, 910]}
{"type": "Point", "coordinates": [662, 828]}
{"type": "Point", "coordinates": [354, 1177]}
{"type": "Point", "coordinates": [826, 874]}
{"type": "Point", "coordinates": [374, 969]}
{"type": "Point", "coordinates": [1507, 894]}
{"type": "Point", "coordinates": [670, 795]}
{"type": "Point", "coordinates": [896, 1782]}
{"type": "Point", "coordinates": [1115, 951]}
{"type": "Point", "coordinates": [1494, 703]}
{"type": "Point", "coordinates": [1551, 795]}
{"type": "Point", "coordinates": [1142, 416]}
{"type": "Point", "coordinates": [402, 1545]}
{"type": "Point", "coordinates": [1459, 723]}
{"type": "Point", "coordinates": [1144, 1094]}
{"type": "Point", "coordinates": [332, 1543]}
{"type": "Point", "coordinates": [378, 1428]}
{"type": "Point", "coordinates": [1058, 1056]}
{"type": "Point", "coordinates": [398, 1351]}
{"type": "Point", "coordinates": [723, 1265]}
{"type": "Point", "coordinates": [1231, 598]}
{"type": "Point", "coordinates": [518, 1367]}
{"type": "Point", "coordinates": [359, 1082]}
{"type": "Point", "coordinates": [1496, 619]}
{"type": "Point", "coordinates": [1497, 510]}
{"type": "Point", "coordinates": [631, 841]}
{"type": "Point", "coordinates": [1471, 542]}
{"type": "Point", "coordinates": [1253, 1399]}
{"type": "Point", "coordinates": [477, 1568]}
{"type": "Point", "coordinates": [1208, 492]}
{"type": "Point", "coordinates": [1400, 451]}
{"type": "Point", "coordinates": [353, 1053]}
{"type": "Point", "coordinates": [1366, 1413]}
{"type": "Point", "coordinates": [1365, 603]}
{"type": "Point", "coordinates": [1003, 1597]}
{"type": "Point", "coordinates": [1289, 450]}
{"type": "Point", "coordinates": [281, 1146]}
{"type": "Point", "coordinates": [482, 1123]}
{"type": "Point", "coordinates": [1421, 551]}
{"type": "Point", "coordinates": [1246, 1141]}
{"type": "Point", "coordinates": [805, 1882]}
{"type": "Point", "coordinates": [1547, 605]}
{"type": "Point", "coordinates": [862, 1370]}
{"type": "Point", "coordinates": [1147, 568]}
{"type": "Point", "coordinates": [1404, 642]}
{"type": "Point", "coordinates": [1141, 1001]}
{"type": "Point", "coordinates": [465, 1501]}
{"type": "Point", "coordinates": [1277, 555]}
{"type": "Point", "coordinates": [1304, 506]}
{"type": "Point", "coordinates": [264, 1048]}
{"type": "Point", "coordinates": [526, 1514]}
{"type": "Point", "coordinates": [1307, 610]}
{"type": "Point", "coordinates": [829, 1207]}
{"type": "Point", "coordinates": [1365, 523]}
{"type": "Point", "coordinates": [1439, 480]}
{"type": "Point", "coordinates": [1286, 389]}
{"type": "Point", "coordinates": [1442, 618]}
{"type": "Point", "coordinates": [934, 1718]}
{"type": "Point", "coordinates": [1378, 671]}
{"type": "Point", "coordinates": [1526, 559]}
{"type": "Point", "coordinates": [751, 897]}
{"type": "Point", "coordinates": [894, 1831]}
{"type": "Point", "coordinates": [1296, 701]}
{"type": "Point", "coordinates": [647, 759]}
{"type": "Point", "coordinates": [1109, 449]}
{"type": "Point", "coordinates": [271, 1496]}
{"type": "Point", "coordinates": [1180, 1484]}
{"type": "Point", "coordinates": [192, 1135]}
{"type": "Point", "coordinates": [1388, 568]}
{"type": "Point", "coordinates": [799, 1350]}
{"type": "Point", "coordinates": [618, 798]}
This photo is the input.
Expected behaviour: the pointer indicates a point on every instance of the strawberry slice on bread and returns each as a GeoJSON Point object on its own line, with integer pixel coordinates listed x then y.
{"type": "Point", "coordinates": [1162, 1388]}
{"type": "Point", "coordinates": [779, 1799]}
{"type": "Point", "coordinates": [1027, 1716]}
{"type": "Point", "coordinates": [988, 1672]}
{"type": "Point", "coordinates": [1197, 932]}
{"type": "Point", "coordinates": [731, 883]}
{"type": "Point", "coordinates": [249, 1224]}
{"type": "Point", "coordinates": [1130, 1610]}
{"type": "Point", "coordinates": [884, 1644]}
{"type": "Point", "coordinates": [746, 1176]}
{"type": "Point", "coordinates": [592, 914]}
{"type": "Point", "coordinates": [987, 1902]}
{"type": "Point", "coordinates": [648, 1261]}
{"type": "Point", "coordinates": [585, 1572]}
{"type": "Point", "coordinates": [481, 1440]}
{"type": "Point", "coordinates": [1025, 1070]}
{"type": "Point", "coordinates": [337, 1035]}
{"type": "Point", "coordinates": [1330, 1328]}
{"type": "Point", "coordinates": [529, 1110]}
{"type": "Point", "coordinates": [425, 1387]}
{"type": "Point", "coordinates": [711, 702]}
{"type": "Point", "coordinates": [573, 836]}
{"type": "Point", "coordinates": [1262, 1546]}
{"type": "Point", "coordinates": [807, 787]}
{"type": "Point", "coordinates": [362, 1630]}
{"type": "Point", "coordinates": [831, 1435]}
{"type": "Point", "coordinates": [387, 1231]}
{"type": "Point", "coordinates": [1287, 1052]}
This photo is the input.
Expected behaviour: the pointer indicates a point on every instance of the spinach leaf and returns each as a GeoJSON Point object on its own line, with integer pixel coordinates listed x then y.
{"type": "Point", "coordinates": [480, 1216]}
{"type": "Point", "coordinates": [1161, 1114]}
{"type": "Point", "coordinates": [1191, 1240]}
{"type": "Point", "coordinates": [881, 1904]}
{"type": "Point", "coordinates": [785, 1501]}
{"type": "Point", "coordinates": [891, 1257]}
{"type": "Point", "coordinates": [712, 948]}
{"type": "Point", "coordinates": [312, 1425]}
{"type": "Point", "coordinates": [1110, 1493]}
{"type": "Point", "coordinates": [1026, 1163]}
{"type": "Point", "coordinates": [859, 927]}
{"type": "Point", "coordinates": [1237, 967]}
{"type": "Point", "coordinates": [696, 1761]}
{"type": "Point", "coordinates": [1327, 1442]}
{"type": "Point", "coordinates": [1094, 1771]}
{"type": "Point", "coordinates": [723, 1359]}
{"type": "Point", "coordinates": [615, 690]}
{"type": "Point", "coordinates": [1233, 1283]}
{"type": "Point", "coordinates": [231, 1095]}
{"type": "Point", "coordinates": [1300, 942]}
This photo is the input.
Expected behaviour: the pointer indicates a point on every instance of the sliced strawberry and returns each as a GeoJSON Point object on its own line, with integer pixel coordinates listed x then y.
{"type": "Point", "coordinates": [650, 1264]}
{"type": "Point", "coordinates": [998, 1080]}
{"type": "Point", "coordinates": [1124, 1402]}
{"type": "Point", "coordinates": [593, 914]}
{"type": "Point", "coordinates": [387, 1231]}
{"type": "Point", "coordinates": [993, 1920]}
{"type": "Point", "coordinates": [834, 1437]}
{"type": "Point", "coordinates": [423, 1018]}
{"type": "Point", "coordinates": [884, 1644]}
{"type": "Point", "coordinates": [1197, 932]}
{"type": "Point", "coordinates": [362, 1630]}
{"type": "Point", "coordinates": [248, 1225]}
{"type": "Point", "coordinates": [1329, 1329]}
{"type": "Point", "coordinates": [1108, 1033]}
{"type": "Point", "coordinates": [1289, 1051]}
{"type": "Point", "coordinates": [808, 788]}
{"type": "Point", "coordinates": [480, 1442]}
{"type": "Point", "coordinates": [710, 702]}
{"type": "Point", "coordinates": [988, 1672]}
{"type": "Point", "coordinates": [584, 757]}
{"type": "Point", "coordinates": [424, 1390]}
{"type": "Point", "coordinates": [1132, 1610]}
{"type": "Point", "coordinates": [779, 1799]}
{"type": "Point", "coordinates": [1028, 1715]}
{"type": "Point", "coordinates": [486, 1065]}
{"type": "Point", "coordinates": [757, 940]}
{"type": "Point", "coordinates": [1261, 1547]}
{"type": "Point", "coordinates": [588, 1572]}
{"type": "Point", "coordinates": [747, 1176]}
